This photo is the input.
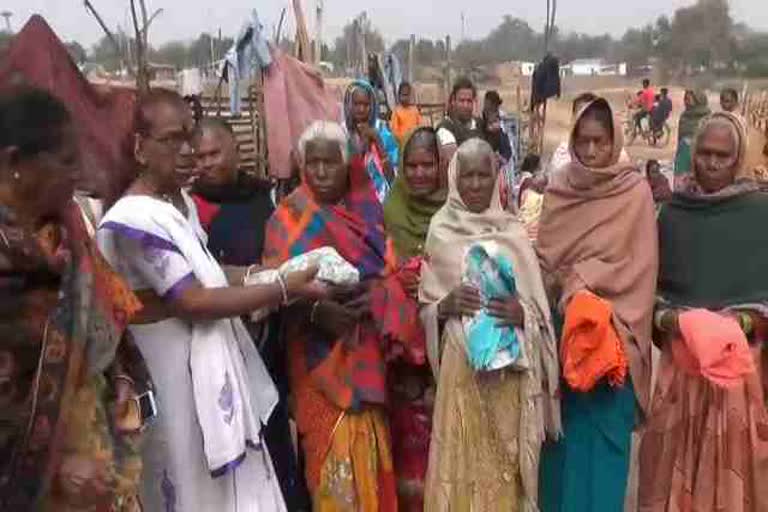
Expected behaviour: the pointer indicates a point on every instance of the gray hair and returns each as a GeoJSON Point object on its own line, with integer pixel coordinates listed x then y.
{"type": "Point", "coordinates": [475, 148]}
{"type": "Point", "coordinates": [324, 130]}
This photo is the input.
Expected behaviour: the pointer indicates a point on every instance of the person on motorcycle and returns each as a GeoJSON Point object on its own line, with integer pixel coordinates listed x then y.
{"type": "Point", "coordinates": [646, 99]}
{"type": "Point", "coordinates": [661, 111]}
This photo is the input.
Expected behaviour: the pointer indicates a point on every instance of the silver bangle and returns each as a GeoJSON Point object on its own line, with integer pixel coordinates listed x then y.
{"type": "Point", "coordinates": [248, 274]}
{"type": "Point", "coordinates": [313, 313]}
{"type": "Point", "coordinates": [283, 288]}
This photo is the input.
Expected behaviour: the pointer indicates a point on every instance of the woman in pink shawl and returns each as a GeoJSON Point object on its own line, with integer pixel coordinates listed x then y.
{"type": "Point", "coordinates": [597, 235]}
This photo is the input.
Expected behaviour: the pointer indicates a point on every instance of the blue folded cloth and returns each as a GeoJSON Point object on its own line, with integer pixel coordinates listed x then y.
{"type": "Point", "coordinates": [494, 277]}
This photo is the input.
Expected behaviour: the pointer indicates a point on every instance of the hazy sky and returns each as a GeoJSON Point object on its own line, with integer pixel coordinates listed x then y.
{"type": "Point", "coordinates": [184, 19]}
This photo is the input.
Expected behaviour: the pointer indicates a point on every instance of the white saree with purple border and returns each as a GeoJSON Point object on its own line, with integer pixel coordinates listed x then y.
{"type": "Point", "coordinates": [204, 451]}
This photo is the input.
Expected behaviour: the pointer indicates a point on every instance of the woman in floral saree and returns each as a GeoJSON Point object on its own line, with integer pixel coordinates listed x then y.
{"type": "Point", "coordinates": [68, 424]}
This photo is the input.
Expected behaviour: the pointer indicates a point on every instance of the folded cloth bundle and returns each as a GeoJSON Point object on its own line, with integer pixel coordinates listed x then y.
{"type": "Point", "coordinates": [332, 269]}
{"type": "Point", "coordinates": [490, 346]}
{"type": "Point", "coordinates": [712, 346]}
{"type": "Point", "coordinates": [591, 348]}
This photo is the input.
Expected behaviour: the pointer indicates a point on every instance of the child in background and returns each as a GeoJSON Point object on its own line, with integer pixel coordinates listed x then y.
{"type": "Point", "coordinates": [530, 196]}
{"type": "Point", "coordinates": [406, 116]}
{"type": "Point", "coordinates": [659, 184]}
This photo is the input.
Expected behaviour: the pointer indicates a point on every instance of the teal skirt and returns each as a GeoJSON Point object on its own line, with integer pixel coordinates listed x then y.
{"type": "Point", "coordinates": [588, 468]}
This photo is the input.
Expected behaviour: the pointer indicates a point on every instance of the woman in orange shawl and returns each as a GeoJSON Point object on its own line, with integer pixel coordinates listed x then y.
{"type": "Point", "coordinates": [706, 443]}
{"type": "Point", "coordinates": [597, 234]}
{"type": "Point", "coordinates": [338, 346]}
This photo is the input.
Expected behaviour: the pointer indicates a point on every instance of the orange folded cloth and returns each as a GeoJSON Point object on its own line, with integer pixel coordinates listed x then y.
{"type": "Point", "coordinates": [591, 348]}
{"type": "Point", "coordinates": [714, 347]}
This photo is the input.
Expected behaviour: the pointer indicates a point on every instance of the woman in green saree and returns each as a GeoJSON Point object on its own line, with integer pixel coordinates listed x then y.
{"type": "Point", "coordinates": [417, 194]}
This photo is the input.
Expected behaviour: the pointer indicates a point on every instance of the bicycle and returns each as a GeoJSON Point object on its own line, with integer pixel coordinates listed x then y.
{"type": "Point", "coordinates": [658, 138]}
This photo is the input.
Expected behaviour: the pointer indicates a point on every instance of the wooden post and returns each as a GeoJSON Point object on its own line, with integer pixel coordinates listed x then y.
{"type": "Point", "coordinates": [363, 49]}
{"type": "Point", "coordinates": [448, 68]}
{"type": "Point", "coordinates": [302, 37]}
{"type": "Point", "coordinates": [411, 50]}
{"type": "Point", "coordinates": [142, 71]}
{"type": "Point", "coordinates": [319, 32]}
{"type": "Point", "coordinates": [519, 112]}
{"type": "Point", "coordinates": [743, 97]}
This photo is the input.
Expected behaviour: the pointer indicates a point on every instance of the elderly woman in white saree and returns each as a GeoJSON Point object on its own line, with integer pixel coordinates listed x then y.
{"type": "Point", "coordinates": [205, 451]}
{"type": "Point", "coordinates": [488, 425]}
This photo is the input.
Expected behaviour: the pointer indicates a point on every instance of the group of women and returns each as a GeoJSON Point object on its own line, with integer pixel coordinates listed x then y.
{"type": "Point", "coordinates": [391, 413]}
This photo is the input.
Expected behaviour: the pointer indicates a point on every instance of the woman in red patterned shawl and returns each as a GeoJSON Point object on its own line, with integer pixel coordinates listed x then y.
{"type": "Point", "coordinates": [339, 346]}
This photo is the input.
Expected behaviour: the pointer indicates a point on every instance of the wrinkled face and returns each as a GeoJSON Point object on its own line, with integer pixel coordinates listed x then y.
{"type": "Point", "coordinates": [361, 107]}
{"type": "Point", "coordinates": [421, 170]}
{"type": "Point", "coordinates": [325, 171]}
{"type": "Point", "coordinates": [728, 102]}
{"type": "Point", "coordinates": [593, 143]}
{"type": "Point", "coordinates": [166, 151]}
{"type": "Point", "coordinates": [46, 181]}
{"type": "Point", "coordinates": [475, 182]}
{"type": "Point", "coordinates": [715, 159]}
{"type": "Point", "coordinates": [217, 158]}
{"type": "Point", "coordinates": [405, 96]}
{"type": "Point", "coordinates": [463, 105]}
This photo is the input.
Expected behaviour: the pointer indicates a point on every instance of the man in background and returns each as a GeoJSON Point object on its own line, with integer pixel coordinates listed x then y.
{"type": "Point", "coordinates": [647, 99]}
{"type": "Point", "coordinates": [460, 124]}
{"type": "Point", "coordinates": [663, 109]}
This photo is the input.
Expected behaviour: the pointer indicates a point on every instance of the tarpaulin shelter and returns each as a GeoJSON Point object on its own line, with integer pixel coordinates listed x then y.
{"type": "Point", "coordinates": [103, 115]}
{"type": "Point", "coordinates": [294, 96]}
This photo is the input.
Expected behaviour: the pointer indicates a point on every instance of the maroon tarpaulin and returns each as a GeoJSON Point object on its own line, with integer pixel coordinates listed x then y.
{"type": "Point", "coordinates": [294, 97]}
{"type": "Point", "coordinates": [103, 115]}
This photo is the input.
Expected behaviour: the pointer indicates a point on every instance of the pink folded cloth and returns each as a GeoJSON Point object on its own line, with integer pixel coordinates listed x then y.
{"type": "Point", "coordinates": [714, 347]}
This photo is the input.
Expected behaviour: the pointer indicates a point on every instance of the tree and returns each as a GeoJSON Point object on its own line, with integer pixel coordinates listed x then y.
{"type": "Point", "coordinates": [77, 52]}
{"type": "Point", "coordinates": [345, 47]}
{"type": "Point", "coordinates": [637, 46]}
{"type": "Point", "coordinates": [103, 52]}
{"type": "Point", "coordinates": [700, 36]}
{"type": "Point", "coordinates": [173, 53]}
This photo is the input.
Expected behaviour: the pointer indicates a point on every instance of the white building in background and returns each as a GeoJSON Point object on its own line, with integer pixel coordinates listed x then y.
{"type": "Point", "coordinates": [527, 68]}
{"type": "Point", "coordinates": [593, 67]}
{"type": "Point", "coordinates": [522, 68]}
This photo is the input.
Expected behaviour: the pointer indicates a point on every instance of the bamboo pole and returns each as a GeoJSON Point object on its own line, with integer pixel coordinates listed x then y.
{"type": "Point", "coordinates": [303, 50]}
{"type": "Point", "coordinates": [318, 32]}
{"type": "Point", "coordinates": [411, 51]}
{"type": "Point", "coordinates": [448, 68]}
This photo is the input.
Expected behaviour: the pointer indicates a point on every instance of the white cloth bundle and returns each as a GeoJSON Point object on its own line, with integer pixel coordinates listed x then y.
{"type": "Point", "coordinates": [332, 269]}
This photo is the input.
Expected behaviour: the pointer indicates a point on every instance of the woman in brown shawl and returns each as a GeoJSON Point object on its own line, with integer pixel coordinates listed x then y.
{"type": "Point", "coordinates": [488, 426]}
{"type": "Point", "coordinates": [597, 233]}
{"type": "Point", "coordinates": [706, 444]}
